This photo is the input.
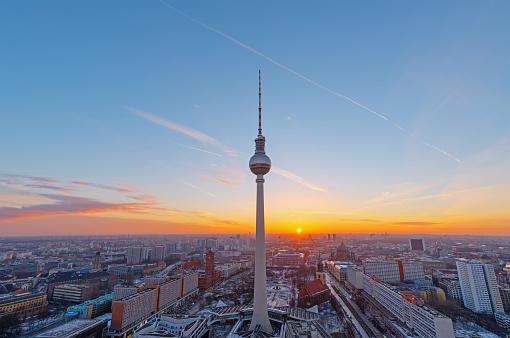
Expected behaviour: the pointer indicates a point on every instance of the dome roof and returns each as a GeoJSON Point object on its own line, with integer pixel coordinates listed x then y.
{"type": "Point", "coordinates": [342, 248]}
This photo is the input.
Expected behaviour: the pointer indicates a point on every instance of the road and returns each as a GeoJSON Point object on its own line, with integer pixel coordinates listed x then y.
{"type": "Point", "coordinates": [164, 272]}
{"type": "Point", "coordinates": [331, 281]}
{"type": "Point", "coordinates": [355, 306]}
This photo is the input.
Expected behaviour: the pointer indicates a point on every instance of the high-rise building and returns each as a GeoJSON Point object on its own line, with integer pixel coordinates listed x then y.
{"type": "Point", "coordinates": [145, 254]}
{"type": "Point", "coordinates": [479, 286]}
{"type": "Point", "coordinates": [133, 254]}
{"type": "Point", "coordinates": [260, 164]}
{"type": "Point", "coordinates": [170, 247]}
{"type": "Point", "coordinates": [157, 253]}
{"type": "Point", "coordinates": [137, 255]}
{"type": "Point", "coordinates": [417, 244]}
{"type": "Point", "coordinates": [186, 247]}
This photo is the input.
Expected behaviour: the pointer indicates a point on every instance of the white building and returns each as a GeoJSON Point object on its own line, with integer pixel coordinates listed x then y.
{"type": "Point", "coordinates": [409, 310]}
{"type": "Point", "coordinates": [121, 291]}
{"type": "Point", "coordinates": [411, 270]}
{"type": "Point", "coordinates": [355, 277]}
{"type": "Point", "coordinates": [394, 271]}
{"type": "Point", "coordinates": [479, 286]}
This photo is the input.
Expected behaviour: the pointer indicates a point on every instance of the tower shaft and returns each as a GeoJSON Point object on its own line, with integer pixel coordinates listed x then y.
{"type": "Point", "coordinates": [260, 318]}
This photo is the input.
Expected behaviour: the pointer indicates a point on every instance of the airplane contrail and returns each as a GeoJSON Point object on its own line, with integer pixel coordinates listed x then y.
{"type": "Point", "coordinates": [304, 78]}
{"type": "Point", "coordinates": [205, 151]}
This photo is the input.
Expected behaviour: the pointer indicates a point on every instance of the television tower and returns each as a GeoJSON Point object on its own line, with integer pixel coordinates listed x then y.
{"type": "Point", "coordinates": [260, 164]}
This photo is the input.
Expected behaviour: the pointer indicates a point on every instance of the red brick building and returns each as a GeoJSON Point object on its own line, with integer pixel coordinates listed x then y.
{"type": "Point", "coordinates": [313, 293]}
{"type": "Point", "coordinates": [211, 276]}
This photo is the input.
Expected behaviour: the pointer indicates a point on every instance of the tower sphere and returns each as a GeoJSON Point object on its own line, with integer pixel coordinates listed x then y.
{"type": "Point", "coordinates": [260, 164]}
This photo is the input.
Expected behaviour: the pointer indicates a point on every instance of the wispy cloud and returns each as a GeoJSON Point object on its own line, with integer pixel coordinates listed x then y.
{"type": "Point", "coordinates": [205, 151]}
{"type": "Point", "coordinates": [398, 193]}
{"type": "Point", "coordinates": [102, 186]}
{"type": "Point", "coordinates": [305, 78]}
{"type": "Point", "coordinates": [416, 223]}
{"type": "Point", "coordinates": [64, 205]}
{"type": "Point", "coordinates": [197, 135]}
{"type": "Point", "coordinates": [221, 175]}
{"type": "Point", "coordinates": [225, 182]}
{"type": "Point", "coordinates": [297, 179]}
{"type": "Point", "coordinates": [233, 170]}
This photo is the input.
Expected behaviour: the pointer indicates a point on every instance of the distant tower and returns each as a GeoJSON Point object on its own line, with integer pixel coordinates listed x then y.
{"type": "Point", "coordinates": [209, 263]}
{"type": "Point", "coordinates": [96, 263]}
{"type": "Point", "coordinates": [320, 274]}
{"type": "Point", "coordinates": [260, 164]}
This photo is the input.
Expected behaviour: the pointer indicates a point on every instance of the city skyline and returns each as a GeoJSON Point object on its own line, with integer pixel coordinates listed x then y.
{"type": "Point", "coordinates": [138, 118]}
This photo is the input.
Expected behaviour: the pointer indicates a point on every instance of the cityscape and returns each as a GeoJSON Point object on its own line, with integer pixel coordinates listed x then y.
{"type": "Point", "coordinates": [158, 177]}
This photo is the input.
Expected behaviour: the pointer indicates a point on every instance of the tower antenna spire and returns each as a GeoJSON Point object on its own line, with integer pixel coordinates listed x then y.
{"type": "Point", "coordinates": [260, 108]}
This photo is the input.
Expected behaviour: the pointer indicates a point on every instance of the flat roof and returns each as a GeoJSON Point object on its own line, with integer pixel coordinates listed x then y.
{"type": "Point", "coordinates": [71, 329]}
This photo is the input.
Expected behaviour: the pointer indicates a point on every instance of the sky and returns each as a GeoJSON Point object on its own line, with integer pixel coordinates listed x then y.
{"type": "Point", "coordinates": [140, 116]}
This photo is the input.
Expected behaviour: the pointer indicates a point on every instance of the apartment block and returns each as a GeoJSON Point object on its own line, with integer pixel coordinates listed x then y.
{"type": "Point", "coordinates": [386, 270]}
{"type": "Point", "coordinates": [409, 310]}
{"type": "Point", "coordinates": [23, 305]}
{"type": "Point", "coordinates": [283, 259]}
{"type": "Point", "coordinates": [452, 288]}
{"type": "Point", "coordinates": [410, 270]}
{"type": "Point", "coordinates": [394, 271]}
{"type": "Point", "coordinates": [134, 308]}
{"type": "Point", "coordinates": [480, 292]}
{"type": "Point", "coordinates": [169, 292]}
{"type": "Point", "coordinates": [122, 291]}
{"type": "Point", "coordinates": [505, 298]}
{"type": "Point", "coordinates": [503, 320]}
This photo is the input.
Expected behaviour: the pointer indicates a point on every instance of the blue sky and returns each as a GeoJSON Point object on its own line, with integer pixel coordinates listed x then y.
{"type": "Point", "coordinates": [72, 74]}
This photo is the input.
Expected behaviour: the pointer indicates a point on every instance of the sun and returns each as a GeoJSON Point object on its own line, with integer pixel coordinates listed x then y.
{"type": "Point", "coordinates": [298, 230]}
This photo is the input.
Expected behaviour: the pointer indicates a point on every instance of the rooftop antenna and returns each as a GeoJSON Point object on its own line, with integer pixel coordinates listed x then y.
{"type": "Point", "coordinates": [260, 108]}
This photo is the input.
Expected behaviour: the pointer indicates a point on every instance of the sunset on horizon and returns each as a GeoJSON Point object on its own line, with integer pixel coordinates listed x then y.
{"type": "Point", "coordinates": [139, 117]}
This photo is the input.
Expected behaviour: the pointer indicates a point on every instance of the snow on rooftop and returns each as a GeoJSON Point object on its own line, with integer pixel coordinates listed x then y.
{"type": "Point", "coordinates": [70, 327]}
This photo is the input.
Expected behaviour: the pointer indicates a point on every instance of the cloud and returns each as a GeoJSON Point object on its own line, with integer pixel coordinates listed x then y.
{"type": "Point", "coordinates": [288, 118]}
{"type": "Point", "coordinates": [221, 175]}
{"type": "Point", "coordinates": [416, 223]}
{"type": "Point", "coordinates": [206, 176]}
{"type": "Point", "coordinates": [205, 151]}
{"type": "Point", "coordinates": [233, 170]}
{"type": "Point", "coordinates": [230, 152]}
{"type": "Point", "coordinates": [400, 192]}
{"type": "Point", "coordinates": [65, 205]}
{"type": "Point", "coordinates": [102, 186]}
{"type": "Point", "coordinates": [197, 106]}
{"type": "Point", "coordinates": [359, 220]}
{"type": "Point", "coordinates": [305, 78]}
{"type": "Point", "coordinates": [296, 178]}
{"type": "Point", "coordinates": [223, 181]}
{"type": "Point", "coordinates": [238, 180]}
{"type": "Point", "coordinates": [197, 135]}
